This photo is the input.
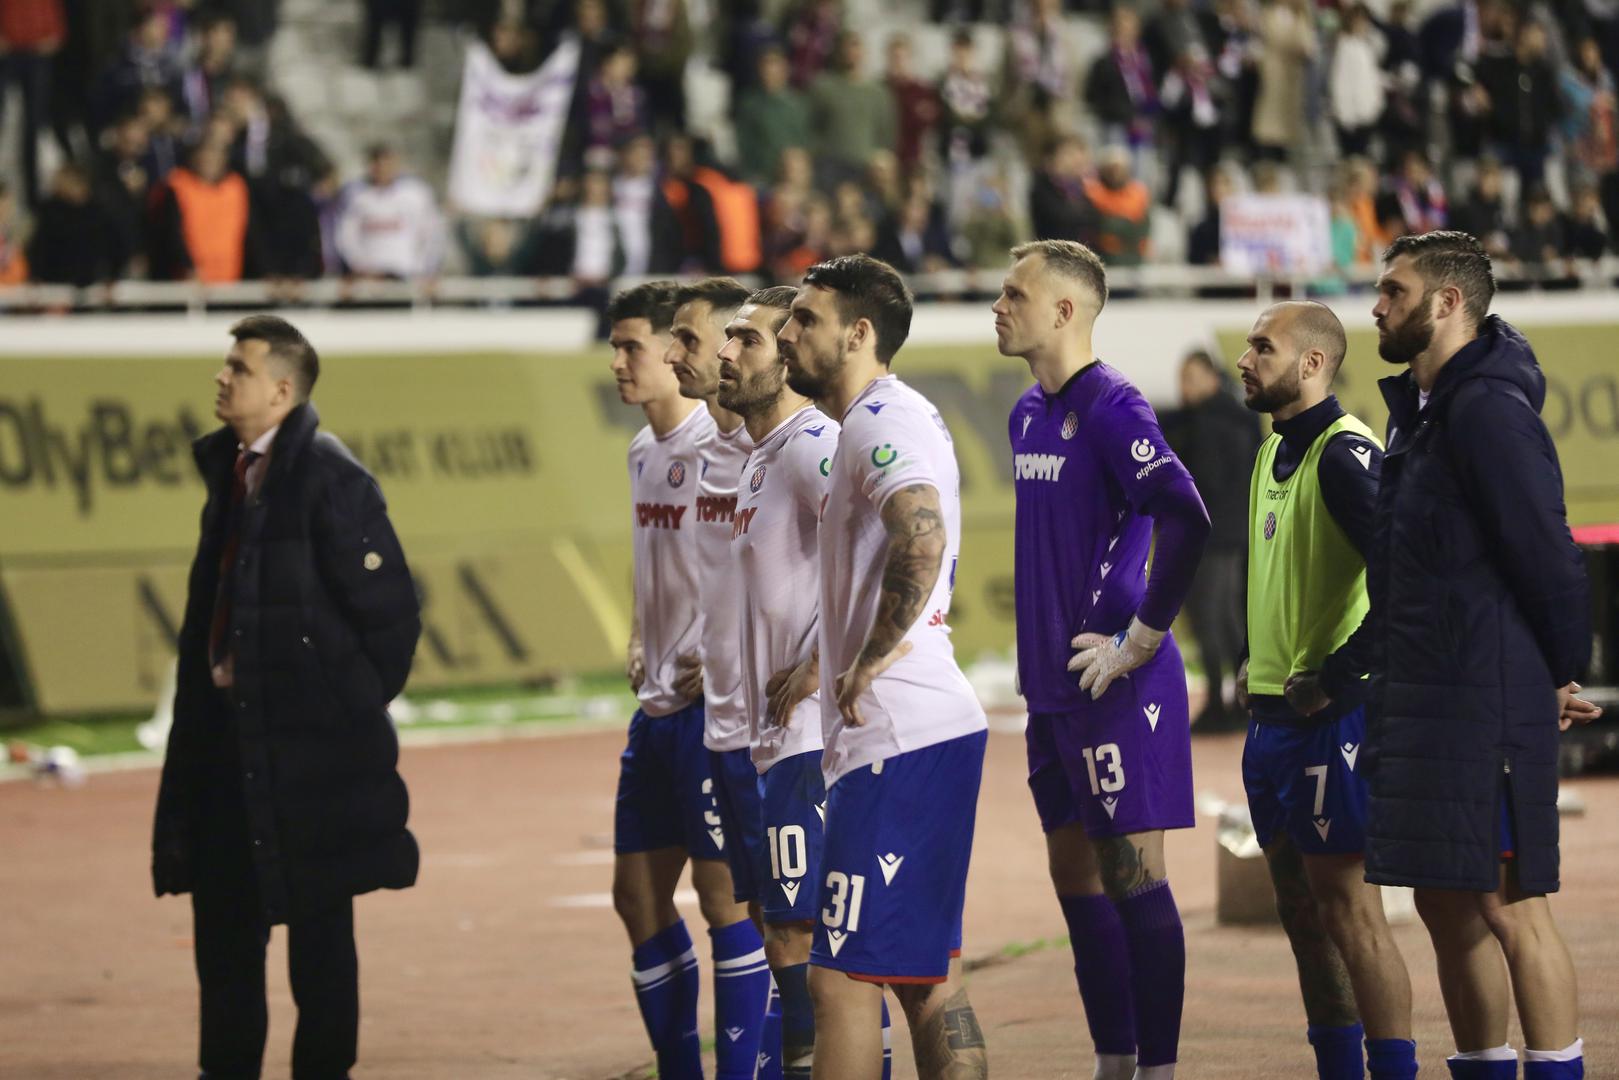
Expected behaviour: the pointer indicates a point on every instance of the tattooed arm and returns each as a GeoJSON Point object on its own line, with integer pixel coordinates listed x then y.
{"type": "Point", "coordinates": [916, 543]}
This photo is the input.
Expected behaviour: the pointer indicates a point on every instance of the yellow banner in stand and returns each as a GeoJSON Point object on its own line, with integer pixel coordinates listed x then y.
{"type": "Point", "coordinates": [505, 476]}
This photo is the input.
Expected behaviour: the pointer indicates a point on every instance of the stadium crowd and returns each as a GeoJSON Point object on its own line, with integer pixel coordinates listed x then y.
{"type": "Point", "coordinates": [1494, 116]}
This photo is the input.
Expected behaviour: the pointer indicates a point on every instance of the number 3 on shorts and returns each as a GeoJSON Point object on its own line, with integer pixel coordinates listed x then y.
{"type": "Point", "coordinates": [1108, 755]}
{"type": "Point", "coordinates": [847, 892]}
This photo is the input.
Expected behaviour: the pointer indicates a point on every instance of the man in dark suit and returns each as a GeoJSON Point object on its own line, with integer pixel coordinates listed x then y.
{"type": "Point", "coordinates": [1481, 622]}
{"type": "Point", "coordinates": [280, 800]}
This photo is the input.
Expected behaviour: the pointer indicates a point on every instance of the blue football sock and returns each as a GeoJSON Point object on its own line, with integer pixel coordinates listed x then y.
{"type": "Point", "coordinates": [1337, 1051]}
{"type": "Point", "coordinates": [769, 1061]}
{"type": "Point", "coordinates": [888, 1042]}
{"type": "Point", "coordinates": [1391, 1059]}
{"type": "Point", "coordinates": [666, 984]}
{"type": "Point", "coordinates": [741, 989]}
{"type": "Point", "coordinates": [797, 1022]}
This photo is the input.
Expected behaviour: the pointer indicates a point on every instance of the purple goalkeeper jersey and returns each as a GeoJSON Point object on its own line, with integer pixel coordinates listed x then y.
{"type": "Point", "coordinates": [1085, 461]}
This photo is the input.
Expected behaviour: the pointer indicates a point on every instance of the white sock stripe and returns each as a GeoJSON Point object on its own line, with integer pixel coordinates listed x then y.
{"type": "Point", "coordinates": [1504, 1052]}
{"type": "Point", "coordinates": [646, 976]}
{"type": "Point", "coordinates": [1572, 1052]}
{"type": "Point", "coordinates": [743, 971]}
{"type": "Point", "coordinates": [753, 958]}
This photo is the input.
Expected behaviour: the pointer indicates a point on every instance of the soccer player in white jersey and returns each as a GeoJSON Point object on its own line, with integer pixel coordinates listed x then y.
{"type": "Point", "coordinates": [741, 975]}
{"type": "Point", "coordinates": [775, 550]}
{"type": "Point", "coordinates": [666, 811]}
{"type": "Point", "coordinates": [904, 732]}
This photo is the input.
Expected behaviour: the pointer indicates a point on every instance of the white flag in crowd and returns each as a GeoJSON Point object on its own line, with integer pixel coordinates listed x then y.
{"type": "Point", "coordinates": [508, 132]}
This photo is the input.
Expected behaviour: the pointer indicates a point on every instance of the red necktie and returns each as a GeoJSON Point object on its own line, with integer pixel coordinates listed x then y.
{"type": "Point", "coordinates": [233, 539]}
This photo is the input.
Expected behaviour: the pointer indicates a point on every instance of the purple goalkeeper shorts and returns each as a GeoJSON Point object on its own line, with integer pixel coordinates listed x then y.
{"type": "Point", "coordinates": [1120, 765]}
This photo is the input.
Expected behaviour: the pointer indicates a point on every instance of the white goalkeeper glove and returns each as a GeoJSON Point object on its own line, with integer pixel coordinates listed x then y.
{"type": "Point", "coordinates": [1102, 659]}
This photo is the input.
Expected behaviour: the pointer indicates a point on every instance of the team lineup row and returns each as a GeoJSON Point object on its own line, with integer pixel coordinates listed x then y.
{"type": "Point", "coordinates": [806, 739]}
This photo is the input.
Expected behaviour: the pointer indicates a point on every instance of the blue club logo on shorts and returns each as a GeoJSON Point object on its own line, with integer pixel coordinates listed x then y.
{"type": "Point", "coordinates": [1070, 426]}
{"type": "Point", "coordinates": [1270, 525]}
{"type": "Point", "coordinates": [677, 474]}
{"type": "Point", "coordinates": [758, 480]}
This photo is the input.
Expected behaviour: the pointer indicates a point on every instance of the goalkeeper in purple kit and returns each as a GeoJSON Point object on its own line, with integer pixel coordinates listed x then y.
{"type": "Point", "coordinates": [1108, 736]}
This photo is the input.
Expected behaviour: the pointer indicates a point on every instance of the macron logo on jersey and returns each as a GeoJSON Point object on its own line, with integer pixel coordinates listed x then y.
{"type": "Point", "coordinates": [876, 407]}
{"type": "Point", "coordinates": [1038, 466]}
{"type": "Point", "coordinates": [658, 515]}
{"type": "Point", "coordinates": [1363, 454]}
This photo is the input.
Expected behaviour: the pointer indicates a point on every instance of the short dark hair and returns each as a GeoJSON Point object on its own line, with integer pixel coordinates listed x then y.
{"type": "Point", "coordinates": [653, 301]}
{"type": "Point", "coordinates": [1071, 259]}
{"type": "Point", "coordinates": [723, 295]}
{"type": "Point", "coordinates": [286, 344]}
{"type": "Point", "coordinates": [868, 289]}
{"type": "Point", "coordinates": [1450, 257]}
{"type": "Point", "coordinates": [777, 298]}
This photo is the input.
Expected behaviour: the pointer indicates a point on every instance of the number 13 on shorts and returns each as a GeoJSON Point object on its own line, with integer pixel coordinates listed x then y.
{"type": "Point", "coordinates": [1108, 757]}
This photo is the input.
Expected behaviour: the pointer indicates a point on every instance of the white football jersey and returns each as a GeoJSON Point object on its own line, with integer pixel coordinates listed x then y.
{"type": "Point", "coordinates": [663, 491]}
{"type": "Point", "coordinates": [774, 540]}
{"type": "Point", "coordinates": [721, 456]}
{"type": "Point", "coordinates": [892, 438]}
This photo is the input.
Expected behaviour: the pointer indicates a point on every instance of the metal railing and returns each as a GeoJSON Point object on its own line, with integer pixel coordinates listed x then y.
{"type": "Point", "coordinates": [1159, 281]}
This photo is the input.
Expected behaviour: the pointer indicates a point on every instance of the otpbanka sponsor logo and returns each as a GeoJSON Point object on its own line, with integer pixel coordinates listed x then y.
{"type": "Point", "coordinates": [1144, 452]}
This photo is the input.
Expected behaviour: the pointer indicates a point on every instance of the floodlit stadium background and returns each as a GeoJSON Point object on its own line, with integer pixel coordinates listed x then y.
{"type": "Point", "coordinates": [479, 396]}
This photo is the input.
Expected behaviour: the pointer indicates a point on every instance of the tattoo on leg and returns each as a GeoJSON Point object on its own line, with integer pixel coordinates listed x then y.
{"type": "Point", "coordinates": [1329, 997]}
{"type": "Point", "coordinates": [1123, 865]}
{"type": "Point", "coordinates": [950, 1043]}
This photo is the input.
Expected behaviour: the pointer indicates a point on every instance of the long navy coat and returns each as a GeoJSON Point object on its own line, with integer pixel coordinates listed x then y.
{"type": "Point", "coordinates": [324, 623]}
{"type": "Point", "coordinates": [1480, 611]}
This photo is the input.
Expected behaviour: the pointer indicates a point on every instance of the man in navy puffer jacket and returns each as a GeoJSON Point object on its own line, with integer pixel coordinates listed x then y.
{"type": "Point", "coordinates": [1481, 623]}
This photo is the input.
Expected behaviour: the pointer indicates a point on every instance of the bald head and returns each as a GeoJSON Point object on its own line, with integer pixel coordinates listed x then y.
{"type": "Point", "coordinates": [1310, 326]}
{"type": "Point", "coordinates": [1294, 352]}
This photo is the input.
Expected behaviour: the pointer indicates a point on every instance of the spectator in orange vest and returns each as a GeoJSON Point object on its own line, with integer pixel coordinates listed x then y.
{"type": "Point", "coordinates": [1123, 205]}
{"type": "Point", "coordinates": [200, 231]}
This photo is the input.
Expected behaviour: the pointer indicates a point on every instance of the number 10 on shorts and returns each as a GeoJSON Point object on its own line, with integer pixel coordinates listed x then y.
{"type": "Point", "coordinates": [789, 854]}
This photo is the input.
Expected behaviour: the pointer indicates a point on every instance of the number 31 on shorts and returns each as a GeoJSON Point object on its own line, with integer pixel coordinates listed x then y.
{"type": "Point", "coordinates": [848, 890]}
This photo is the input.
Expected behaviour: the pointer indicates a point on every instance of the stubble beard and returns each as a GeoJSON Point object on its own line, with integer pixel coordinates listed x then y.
{"type": "Point", "coordinates": [816, 385]}
{"type": "Point", "coordinates": [1279, 395]}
